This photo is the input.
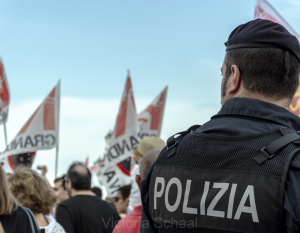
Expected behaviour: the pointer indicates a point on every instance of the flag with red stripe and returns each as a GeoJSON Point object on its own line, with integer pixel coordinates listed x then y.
{"type": "Point", "coordinates": [264, 10]}
{"type": "Point", "coordinates": [40, 132]}
{"type": "Point", "coordinates": [125, 133]}
{"type": "Point", "coordinates": [4, 94]}
{"type": "Point", "coordinates": [150, 120]}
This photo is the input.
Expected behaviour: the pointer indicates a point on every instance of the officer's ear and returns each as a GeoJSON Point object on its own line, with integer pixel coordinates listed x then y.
{"type": "Point", "coordinates": [138, 180]}
{"type": "Point", "coordinates": [235, 81]}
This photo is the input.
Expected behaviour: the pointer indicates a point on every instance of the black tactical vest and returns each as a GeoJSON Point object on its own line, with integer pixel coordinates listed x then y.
{"type": "Point", "coordinates": [206, 183]}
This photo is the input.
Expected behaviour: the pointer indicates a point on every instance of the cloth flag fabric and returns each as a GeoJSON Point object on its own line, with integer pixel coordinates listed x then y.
{"type": "Point", "coordinates": [264, 10]}
{"type": "Point", "coordinates": [295, 104]}
{"type": "Point", "coordinates": [125, 133]}
{"type": "Point", "coordinates": [150, 120]}
{"type": "Point", "coordinates": [115, 176]}
{"type": "Point", "coordinates": [4, 94]}
{"type": "Point", "coordinates": [10, 163]}
{"type": "Point", "coordinates": [40, 132]}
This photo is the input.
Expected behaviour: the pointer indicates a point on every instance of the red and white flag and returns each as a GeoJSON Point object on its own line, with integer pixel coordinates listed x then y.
{"type": "Point", "coordinates": [4, 94]}
{"type": "Point", "coordinates": [264, 10]}
{"type": "Point", "coordinates": [150, 120]}
{"type": "Point", "coordinates": [11, 162]}
{"type": "Point", "coordinates": [115, 177]}
{"type": "Point", "coordinates": [41, 130]}
{"type": "Point", "coordinates": [125, 133]}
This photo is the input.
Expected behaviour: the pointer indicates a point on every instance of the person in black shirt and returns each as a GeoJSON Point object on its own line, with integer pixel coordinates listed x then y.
{"type": "Point", "coordinates": [84, 211]}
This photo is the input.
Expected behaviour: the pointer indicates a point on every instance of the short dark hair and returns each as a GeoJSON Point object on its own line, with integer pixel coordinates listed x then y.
{"type": "Point", "coordinates": [263, 71]}
{"type": "Point", "coordinates": [97, 191]}
{"type": "Point", "coordinates": [125, 191]}
{"type": "Point", "coordinates": [61, 178]}
{"type": "Point", "coordinates": [79, 181]}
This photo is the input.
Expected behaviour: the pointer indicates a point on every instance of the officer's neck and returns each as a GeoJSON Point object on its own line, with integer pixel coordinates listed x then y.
{"type": "Point", "coordinates": [282, 102]}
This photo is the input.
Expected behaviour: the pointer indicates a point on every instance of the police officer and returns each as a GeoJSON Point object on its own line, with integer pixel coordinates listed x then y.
{"type": "Point", "coordinates": [239, 172]}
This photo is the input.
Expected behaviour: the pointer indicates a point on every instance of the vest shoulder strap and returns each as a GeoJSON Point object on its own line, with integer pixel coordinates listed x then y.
{"type": "Point", "coordinates": [173, 141]}
{"type": "Point", "coordinates": [269, 151]}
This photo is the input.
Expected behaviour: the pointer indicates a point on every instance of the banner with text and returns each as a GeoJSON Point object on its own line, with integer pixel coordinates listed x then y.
{"type": "Point", "coordinates": [41, 130]}
{"type": "Point", "coordinates": [115, 176]}
{"type": "Point", "coordinates": [150, 120]}
{"type": "Point", "coordinates": [125, 134]}
{"type": "Point", "coordinates": [4, 94]}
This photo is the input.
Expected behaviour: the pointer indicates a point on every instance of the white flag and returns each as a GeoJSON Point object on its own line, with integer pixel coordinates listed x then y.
{"type": "Point", "coordinates": [41, 130]}
{"type": "Point", "coordinates": [115, 176]}
{"type": "Point", "coordinates": [150, 120]}
{"type": "Point", "coordinates": [264, 10]}
{"type": "Point", "coordinates": [4, 94]}
{"type": "Point", "coordinates": [125, 134]}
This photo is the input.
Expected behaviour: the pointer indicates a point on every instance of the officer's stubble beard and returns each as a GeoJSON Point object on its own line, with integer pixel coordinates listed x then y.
{"type": "Point", "coordinates": [223, 89]}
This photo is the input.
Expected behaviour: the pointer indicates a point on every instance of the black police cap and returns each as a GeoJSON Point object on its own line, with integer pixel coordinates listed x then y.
{"type": "Point", "coordinates": [260, 33]}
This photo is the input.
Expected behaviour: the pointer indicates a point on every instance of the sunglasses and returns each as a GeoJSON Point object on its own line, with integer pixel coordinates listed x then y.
{"type": "Point", "coordinates": [117, 199]}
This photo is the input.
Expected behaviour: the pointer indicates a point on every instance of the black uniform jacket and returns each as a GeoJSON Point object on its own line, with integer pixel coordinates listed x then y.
{"type": "Point", "coordinates": [245, 117]}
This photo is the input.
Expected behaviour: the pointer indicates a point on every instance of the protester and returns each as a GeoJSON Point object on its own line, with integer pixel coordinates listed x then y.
{"type": "Point", "coordinates": [84, 211]}
{"type": "Point", "coordinates": [43, 169]}
{"type": "Point", "coordinates": [240, 171]}
{"type": "Point", "coordinates": [97, 191]}
{"type": "Point", "coordinates": [60, 192]}
{"type": "Point", "coordinates": [13, 219]}
{"type": "Point", "coordinates": [121, 200]}
{"type": "Point", "coordinates": [34, 192]}
{"type": "Point", "coordinates": [139, 151]}
{"type": "Point", "coordinates": [131, 223]}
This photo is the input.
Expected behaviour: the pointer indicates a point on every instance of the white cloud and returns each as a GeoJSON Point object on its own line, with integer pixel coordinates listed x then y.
{"type": "Point", "coordinates": [84, 123]}
{"type": "Point", "coordinates": [294, 2]}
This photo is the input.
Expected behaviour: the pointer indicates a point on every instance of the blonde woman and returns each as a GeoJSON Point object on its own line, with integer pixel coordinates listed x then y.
{"type": "Point", "coordinates": [34, 192]}
{"type": "Point", "coordinates": [13, 219]}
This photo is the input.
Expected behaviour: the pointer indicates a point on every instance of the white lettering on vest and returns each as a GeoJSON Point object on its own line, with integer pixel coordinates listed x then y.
{"type": "Point", "coordinates": [177, 182]}
{"type": "Point", "coordinates": [203, 198]}
{"type": "Point", "coordinates": [186, 209]}
{"type": "Point", "coordinates": [210, 209]}
{"type": "Point", "coordinates": [158, 180]}
{"type": "Point", "coordinates": [242, 208]}
{"type": "Point", "coordinates": [247, 209]}
{"type": "Point", "coordinates": [231, 200]}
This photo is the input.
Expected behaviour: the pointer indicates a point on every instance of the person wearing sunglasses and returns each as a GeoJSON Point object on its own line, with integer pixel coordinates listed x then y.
{"type": "Point", "coordinates": [122, 200]}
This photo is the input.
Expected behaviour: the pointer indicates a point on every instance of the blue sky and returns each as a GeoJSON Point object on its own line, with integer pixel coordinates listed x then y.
{"type": "Point", "coordinates": [89, 45]}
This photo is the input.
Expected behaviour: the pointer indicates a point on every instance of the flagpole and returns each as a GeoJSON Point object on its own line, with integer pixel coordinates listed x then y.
{"type": "Point", "coordinates": [56, 161]}
{"type": "Point", "coordinates": [5, 134]}
{"type": "Point", "coordinates": [57, 147]}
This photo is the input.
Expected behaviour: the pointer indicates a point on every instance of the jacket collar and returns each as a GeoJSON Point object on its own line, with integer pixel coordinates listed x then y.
{"type": "Point", "coordinates": [259, 109]}
{"type": "Point", "coordinates": [137, 210]}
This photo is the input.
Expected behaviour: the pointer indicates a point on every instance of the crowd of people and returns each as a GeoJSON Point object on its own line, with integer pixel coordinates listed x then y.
{"type": "Point", "coordinates": [29, 203]}
{"type": "Point", "coordinates": [238, 172]}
